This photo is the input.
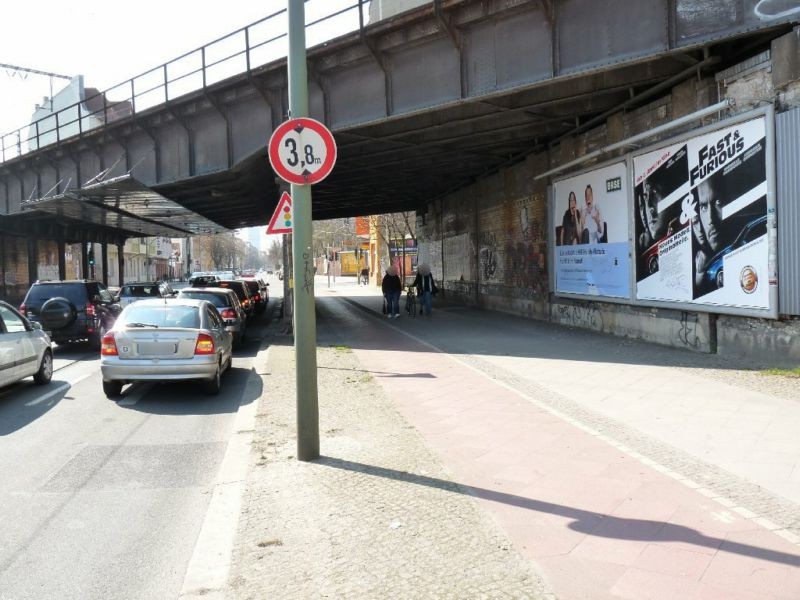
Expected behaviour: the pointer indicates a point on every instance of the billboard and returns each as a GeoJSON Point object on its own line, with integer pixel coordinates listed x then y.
{"type": "Point", "coordinates": [590, 213]}
{"type": "Point", "coordinates": [700, 209]}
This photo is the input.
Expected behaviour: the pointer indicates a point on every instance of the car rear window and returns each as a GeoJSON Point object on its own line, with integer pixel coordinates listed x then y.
{"type": "Point", "coordinates": [253, 285]}
{"type": "Point", "coordinates": [41, 292]}
{"type": "Point", "coordinates": [140, 291]}
{"type": "Point", "coordinates": [170, 315]}
{"type": "Point", "coordinates": [217, 300]}
{"type": "Point", "coordinates": [236, 286]}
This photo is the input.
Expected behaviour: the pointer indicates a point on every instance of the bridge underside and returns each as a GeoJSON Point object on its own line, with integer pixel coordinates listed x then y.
{"type": "Point", "coordinates": [420, 105]}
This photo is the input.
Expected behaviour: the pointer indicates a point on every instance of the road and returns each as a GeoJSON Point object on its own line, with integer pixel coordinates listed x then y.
{"type": "Point", "coordinates": [105, 499]}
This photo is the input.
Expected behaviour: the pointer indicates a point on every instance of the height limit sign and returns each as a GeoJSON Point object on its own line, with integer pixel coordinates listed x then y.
{"type": "Point", "coordinates": [302, 151]}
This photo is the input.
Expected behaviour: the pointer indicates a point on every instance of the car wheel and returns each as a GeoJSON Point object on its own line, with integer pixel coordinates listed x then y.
{"type": "Point", "coordinates": [719, 278]}
{"type": "Point", "coordinates": [112, 389]}
{"type": "Point", "coordinates": [96, 339]}
{"type": "Point", "coordinates": [45, 372]}
{"type": "Point", "coordinates": [213, 386]}
{"type": "Point", "coordinates": [652, 265]}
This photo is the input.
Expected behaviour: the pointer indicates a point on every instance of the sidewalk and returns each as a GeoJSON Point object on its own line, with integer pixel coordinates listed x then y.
{"type": "Point", "coordinates": [476, 455]}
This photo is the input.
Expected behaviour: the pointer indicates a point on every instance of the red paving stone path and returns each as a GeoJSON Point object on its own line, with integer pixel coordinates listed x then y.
{"type": "Point", "coordinates": [597, 522]}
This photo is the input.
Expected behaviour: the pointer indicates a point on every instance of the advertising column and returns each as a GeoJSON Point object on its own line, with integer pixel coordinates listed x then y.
{"type": "Point", "coordinates": [591, 233]}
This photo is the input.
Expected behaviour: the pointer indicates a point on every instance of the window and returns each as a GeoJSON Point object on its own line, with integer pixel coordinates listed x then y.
{"type": "Point", "coordinates": [14, 323]}
{"type": "Point", "coordinates": [213, 317]}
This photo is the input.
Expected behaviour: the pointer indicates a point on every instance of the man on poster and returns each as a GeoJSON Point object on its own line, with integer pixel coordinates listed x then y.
{"type": "Point", "coordinates": [591, 220]}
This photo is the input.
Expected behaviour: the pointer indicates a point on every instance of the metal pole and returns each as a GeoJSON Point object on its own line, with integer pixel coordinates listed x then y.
{"type": "Point", "coordinates": [305, 331]}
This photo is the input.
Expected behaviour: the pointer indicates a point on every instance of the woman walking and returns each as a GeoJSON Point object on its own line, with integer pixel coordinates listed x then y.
{"type": "Point", "coordinates": [426, 287]}
{"type": "Point", "coordinates": [391, 288]}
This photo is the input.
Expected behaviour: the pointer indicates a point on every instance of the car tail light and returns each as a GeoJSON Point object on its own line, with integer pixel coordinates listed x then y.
{"type": "Point", "coordinates": [205, 344]}
{"type": "Point", "coordinates": [228, 313]}
{"type": "Point", "coordinates": [108, 347]}
{"type": "Point", "coordinates": [246, 302]}
{"type": "Point", "coordinates": [90, 311]}
{"type": "Point", "coordinates": [258, 298]}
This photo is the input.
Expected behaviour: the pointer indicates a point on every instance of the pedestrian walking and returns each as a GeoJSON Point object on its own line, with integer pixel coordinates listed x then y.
{"type": "Point", "coordinates": [426, 287]}
{"type": "Point", "coordinates": [391, 288]}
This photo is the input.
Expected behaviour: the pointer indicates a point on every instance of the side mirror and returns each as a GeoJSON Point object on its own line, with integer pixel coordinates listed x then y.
{"type": "Point", "coordinates": [37, 326]}
{"type": "Point", "coordinates": [96, 299]}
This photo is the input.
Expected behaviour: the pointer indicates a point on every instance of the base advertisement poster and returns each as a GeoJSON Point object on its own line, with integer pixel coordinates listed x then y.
{"type": "Point", "coordinates": [591, 233]}
{"type": "Point", "coordinates": [701, 219]}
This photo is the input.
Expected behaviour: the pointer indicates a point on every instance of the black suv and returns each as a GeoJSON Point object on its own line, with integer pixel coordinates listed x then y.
{"type": "Point", "coordinates": [71, 310]}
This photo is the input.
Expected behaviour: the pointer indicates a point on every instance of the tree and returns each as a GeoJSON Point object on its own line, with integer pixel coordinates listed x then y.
{"type": "Point", "coordinates": [275, 254]}
{"type": "Point", "coordinates": [394, 227]}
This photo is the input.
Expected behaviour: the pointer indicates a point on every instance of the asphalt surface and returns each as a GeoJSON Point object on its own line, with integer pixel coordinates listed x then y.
{"type": "Point", "coordinates": [105, 499]}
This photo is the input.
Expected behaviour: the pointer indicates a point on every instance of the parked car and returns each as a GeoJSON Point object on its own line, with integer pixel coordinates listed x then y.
{"type": "Point", "coordinates": [203, 280]}
{"type": "Point", "coordinates": [131, 292]}
{"type": "Point", "coordinates": [227, 304]}
{"type": "Point", "coordinates": [24, 349]}
{"type": "Point", "coordinates": [243, 293]}
{"type": "Point", "coordinates": [174, 339]}
{"type": "Point", "coordinates": [70, 311]}
{"type": "Point", "coordinates": [259, 294]}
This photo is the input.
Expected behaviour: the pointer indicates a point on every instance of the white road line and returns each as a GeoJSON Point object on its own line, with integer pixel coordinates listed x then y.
{"type": "Point", "coordinates": [132, 398]}
{"type": "Point", "coordinates": [61, 388]}
{"type": "Point", "coordinates": [207, 574]}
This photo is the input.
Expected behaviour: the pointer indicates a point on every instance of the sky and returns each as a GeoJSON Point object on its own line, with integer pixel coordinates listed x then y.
{"type": "Point", "coordinates": [110, 42]}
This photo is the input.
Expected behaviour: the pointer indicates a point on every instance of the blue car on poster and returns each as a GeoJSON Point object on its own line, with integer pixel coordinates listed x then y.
{"type": "Point", "coordinates": [753, 230]}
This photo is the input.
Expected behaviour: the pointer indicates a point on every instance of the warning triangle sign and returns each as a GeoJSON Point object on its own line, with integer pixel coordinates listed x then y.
{"type": "Point", "coordinates": [281, 221]}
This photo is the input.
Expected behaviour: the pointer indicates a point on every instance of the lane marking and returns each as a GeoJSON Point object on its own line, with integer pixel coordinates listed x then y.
{"type": "Point", "coordinates": [207, 573]}
{"type": "Point", "coordinates": [61, 388]}
{"type": "Point", "coordinates": [133, 397]}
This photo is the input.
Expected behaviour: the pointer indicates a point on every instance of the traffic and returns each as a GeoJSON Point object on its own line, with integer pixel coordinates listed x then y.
{"type": "Point", "coordinates": [143, 331]}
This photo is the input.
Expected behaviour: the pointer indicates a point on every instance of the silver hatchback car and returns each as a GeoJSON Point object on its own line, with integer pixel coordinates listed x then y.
{"type": "Point", "coordinates": [170, 339]}
{"type": "Point", "coordinates": [227, 304]}
{"type": "Point", "coordinates": [24, 349]}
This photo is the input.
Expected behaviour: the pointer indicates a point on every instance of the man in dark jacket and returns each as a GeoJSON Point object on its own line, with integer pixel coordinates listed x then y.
{"type": "Point", "coordinates": [391, 288]}
{"type": "Point", "coordinates": [426, 287]}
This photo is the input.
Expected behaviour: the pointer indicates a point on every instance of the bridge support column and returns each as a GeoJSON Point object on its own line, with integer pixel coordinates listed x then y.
{"type": "Point", "coordinates": [84, 260]}
{"type": "Point", "coordinates": [62, 260]}
{"type": "Point", "coordinates": [121, 264]}
{"type": "Point", "coordinates": [104, 262]}
{"type": "Point", "coordinates": [33, 259]}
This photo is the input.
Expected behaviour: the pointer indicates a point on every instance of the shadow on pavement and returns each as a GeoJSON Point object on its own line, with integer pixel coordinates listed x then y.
{"type": "Point", "coordinates": [24, 402]}
{"type": "Point", "coordinates": [239, 387]}
{"type": "Point", "coordinates": [585, 521]}
{"type": "Point", "coordinates": [384, 373]}
{"type": "Point", "coordinates": [463, 330]}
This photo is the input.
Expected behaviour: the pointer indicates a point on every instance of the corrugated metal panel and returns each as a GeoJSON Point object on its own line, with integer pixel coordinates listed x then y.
{"type": "Point", "coordinates": [787, 157]}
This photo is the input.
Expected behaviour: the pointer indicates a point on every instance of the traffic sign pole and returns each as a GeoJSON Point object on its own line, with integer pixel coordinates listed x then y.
{"type": "Point", "coordinates": [305, 330]}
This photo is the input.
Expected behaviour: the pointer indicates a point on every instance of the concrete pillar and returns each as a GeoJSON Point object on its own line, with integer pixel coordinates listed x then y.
{"type": "Point", "coordinates": [104, 262]}
{"type": "Point", "coordinates": [33, 255]}
{"type": "Point", "coordinates": [62, 260]}
{"type": "Point", "coordinates": [121, 263]}
{"type": "Point", "coordinates": [84, 261]}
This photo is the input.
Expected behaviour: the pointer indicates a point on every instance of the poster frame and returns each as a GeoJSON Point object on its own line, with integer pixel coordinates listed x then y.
{"type": "Point", "coordinates": [625, 158]}
{"type": "Point", "coordinates": [768, 112]}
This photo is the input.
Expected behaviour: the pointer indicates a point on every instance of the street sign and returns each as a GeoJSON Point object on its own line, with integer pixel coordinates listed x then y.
{"type": "Point", "coordinates": [281, 221]}
{"type": "Point", "coordinates": [302, 151]}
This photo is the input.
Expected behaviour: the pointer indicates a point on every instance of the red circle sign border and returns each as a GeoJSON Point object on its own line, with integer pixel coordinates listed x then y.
{"type": "Point", "coordinates": [327, 138]}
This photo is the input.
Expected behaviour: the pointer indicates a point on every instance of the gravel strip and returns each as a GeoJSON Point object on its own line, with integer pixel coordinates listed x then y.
{"type": "Point", "coordinates": [376, 517]}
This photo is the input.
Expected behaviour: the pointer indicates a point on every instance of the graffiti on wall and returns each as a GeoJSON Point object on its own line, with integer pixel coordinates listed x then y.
{"type": "Point", "coordinates": [583, 315]}
{"type": "Point", "coordinates": [768, 10]}
{"type": "Point", "coordinates": [487, 255]}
